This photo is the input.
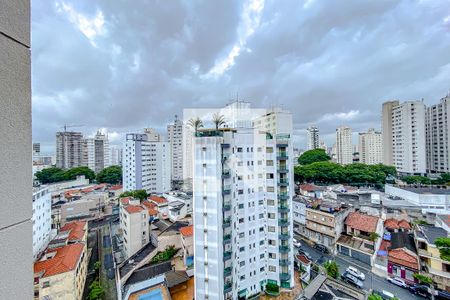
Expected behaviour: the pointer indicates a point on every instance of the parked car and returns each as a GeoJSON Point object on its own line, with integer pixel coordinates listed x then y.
{"type": "Point", "coordinates": [397, 281]}
{"type": "Point", "coordinates": [355, 272]}
{"type": "Point", "coordinates": [321, 248]}
{"type": "Point", "coordinates": [353, 280]}
{"type": "Point", "coordinates": [442, 295]}
{"type": "Point", "coordinates": [385, 295]}
{"type": "Point", "coordinates": [300, 251]}
{"type": "Point", "coordinates": [421, 290]}
{"type": "Point", "coordinates": [297, 243]}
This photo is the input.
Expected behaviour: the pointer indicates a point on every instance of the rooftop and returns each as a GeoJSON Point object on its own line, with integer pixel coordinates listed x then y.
{"type": "Point", "coordinates": [133, 209]}
{"type": "Point", "coordinates": [187, 231]}
{"type": "Point", "coordinates": [404, 257]}
{"type": "Point", "coordinates": [426, 190]}
{"type": "Point", "coordinates": [115, 187]}
{"type": "Point", "coordinates": [76, 230]}
{"type": "Point", "coordinates": [149, 271]}
{"type": "Point", "coordinates": [396, 224]}
{"type": "Point", "coordinates": [136, 258]}
{"type": "Point", "coordinates": [402, 240]}
{"type": "Point", "coordinates": [59, 260]}
{"type": "Point", "coordinates": [362, 222]}
{"type": "Point", "coordinates": [158, 200]}
{"type": "Point", "coordinates": [431, 233]}
{"type": "Point", "coordinates": [445, 219]}
{"type": "Point", "coordinates": [311, 187]}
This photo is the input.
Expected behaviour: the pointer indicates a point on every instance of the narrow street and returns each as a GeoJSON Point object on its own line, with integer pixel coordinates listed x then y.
{"type": "Point", "coordinates": [107, 274]}
{"type": "Point", "coordinates": [372, 281]}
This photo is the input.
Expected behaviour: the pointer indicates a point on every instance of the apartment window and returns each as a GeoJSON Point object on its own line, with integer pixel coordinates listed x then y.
{"type": "Point", "coordinates": [271, 242]}
{"type": "Point", "coordinates": [272, 269]}
{"type": "Point", "coordinates": [261, 269]}
{"type": "Point", "coordinates": [261, 229]}
{"type": "Point", "coordinates": [242, 235]}
{"type": "Point", "coordinates": [270, 189]}
{"type": "Point", "coordinates": [45, 284]}
{"type": "Point", "coordinates": [271, 228]}
{"type": "Point", "coordinates": [270, 202]}
{"type": "Point", "coordinates": [269, 150]}
{"type": "Point", "coordinates": [261, 242]}
{"type": "Point", "coordinates": [272, 256]}
{"type": "Point", "coordinates": [261, 216]}
{"type": "Point", "coordinates": [241, 249]}
{"type": "Point", "coordinates": [241, 220]}
{"type": "Point", "coordinates": [261, 256]}
{"type": "Point", "coordinates": [240, 192]}
{"type": "Point", "coordinates": [269, 163]}
{"type": "Point", "coordinates": [242, 263]}
{"type": "Point", "coordinates": [239, 149]}
{"type": "Point", "coordinates": [271, 215]}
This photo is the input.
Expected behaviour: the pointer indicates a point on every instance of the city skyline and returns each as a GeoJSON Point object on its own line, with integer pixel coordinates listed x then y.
{"type": "Point", "coordinates": [186, 65]}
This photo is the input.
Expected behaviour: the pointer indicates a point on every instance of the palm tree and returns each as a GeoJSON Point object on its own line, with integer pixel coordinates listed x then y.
{"type": "Point", "coordinates": [218, 120]}
{"type": "Point", "coordinates": [195, 123]}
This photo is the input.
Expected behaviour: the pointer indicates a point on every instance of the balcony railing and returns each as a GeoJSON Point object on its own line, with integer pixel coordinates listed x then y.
{"type": "Point", "coordinates": [284, 262]}
{"type": "Point", "coordinates": [283, 236]}
{"type": "Point", "coordinates": [226, 190]}
{"type": "Point", "coordinates": [283, 196]}
{"type": "Point", "coordinates": [285, 276]}
{"type": "Point", "coordinates": [283, 182]}
{"type": "Point", "coordinates": [282, 169]}
{"type": "Point", "coordinates": [227, 238]}
{"type": "Point", "coordinates": [282, 156]}
{"type": "Point", "coordinates": [283, 222]}
{"type": "Point", "coordinates": [227, 271]}
{"type": "Point", "coordinates": [226, 255]}
{"type": "Point", "coordinates": [206, 133]}
{"type": "Point", "coordinates": [227, 287]}
{"type": "Point", "coordinates": [226, 206]}
{"type": "Point", "coordinates": [226, 174]}
{"type": "Point", "coordinates": [227, 222]}
{"type": "Point", "coordinates": [283, 208]}
{"type": "Point", "coordinates": [283, 249]}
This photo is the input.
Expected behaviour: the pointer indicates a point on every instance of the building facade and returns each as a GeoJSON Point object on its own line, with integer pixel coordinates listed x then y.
{"type": "Point", "coordinates": [344, 147]}
{"type": "Point", "coordinates": [116, 155]}
{"type": "Point", "coordinates": [387, 129]}
{"type": "Point", "coordinates": [175, 139]}
{"type": "Point", "coordinates": [96, 153]}
{"type": "Point", "coordinates": [438, 136]}
{"type": "Point", "coordinates": [312, 138]}
{"type": "Point", "coordinates": [68, 149]}
{"type": "Point", "coordinates": [42, 219]}
{"type": "Point", "coordinates": [371, 147]}
{"type": "Point", "coordinates": [134, 225]}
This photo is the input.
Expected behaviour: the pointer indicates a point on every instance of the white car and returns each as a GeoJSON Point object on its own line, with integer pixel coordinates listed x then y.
{"type": "Point", "coordinates": [296, 243]}
{"type": "Point", "coordinates": [355, 272]}
{"type": "Point", "coordinates": [397, 281]}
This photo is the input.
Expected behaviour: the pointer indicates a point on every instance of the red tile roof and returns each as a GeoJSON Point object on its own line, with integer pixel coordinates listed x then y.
{"type": "Point", "coordinates": [77, 230]}
{"type": "Point", "coordinates": [132, 209]}
{"type": "Point", "coordinates": [65, 260]}
{"type": "Point", "coordinates": [152, 212]}
{"type": "Point", "coordinates": [310, 187]}
{"type": "Point", "coordinates": [115, 187]}
{"type": "Point", "coordinates": [385, 245]}
{"type": "Point", "coordinates": [148, 204]}
{"type": "Point", "coordinates": [125, 200]}
{"type": "Point", "coordinates": [362, 222]}
{"type": "Point", "coordinates": [158, 200]}
{"type": "Point", "coordinates": [396, 224]}
{"type": "Point", "coordinates": [404, 257]}
{"type": "Point", "coordinates": [404, 224]}
{"type": "Point", "coordinates": [187, 231]}
{"type": "Point", "coordinates": [303, 259]}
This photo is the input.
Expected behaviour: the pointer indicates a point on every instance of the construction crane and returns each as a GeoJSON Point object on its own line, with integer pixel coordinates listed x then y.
{"type": "Point", "coordinates": [71, 125]}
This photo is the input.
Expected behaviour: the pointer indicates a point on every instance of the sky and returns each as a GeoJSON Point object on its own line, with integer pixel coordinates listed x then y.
{"type": "Point", "coordinates": [120, 66]}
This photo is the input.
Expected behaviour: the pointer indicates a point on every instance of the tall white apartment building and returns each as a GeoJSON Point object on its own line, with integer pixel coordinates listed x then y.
{"type": "Point", "coordinates": [344, 147]}
{"type": "Point", "coordinates": [188, 133]}
{"type": "Point", "coordinates": [438, 136]}
{"type": "Point", "coordinates": [386, 130]}
{"type": "Point", "coordinates": [370, 147]}
{"type": "Point", "coordinates": [312, 138]}
{"type": "Point", "coordinates": [175, 138]}
{"type": "Point", "coordinates": [152, 135]}
{"type": "Point", "coordinates": [96, 153]}
{"type": "Point", "coordinates": [242, 196]}
{"type": "Point", "coordinates": [134, 225]}
{"type": "Point", "coordinates": [146, 164]}
{"type": "Point", "coordinates": [68, 149]}
{"type": "Point", "coordinates": [116, 155]}
{"type": "Point", "coordinates": [407, 129]}
{"type": "Point", "coordinates": [42, 219]}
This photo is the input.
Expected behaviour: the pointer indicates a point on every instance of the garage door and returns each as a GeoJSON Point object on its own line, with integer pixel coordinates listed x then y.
{"type": "Point", "coordinates": [361, 257]}
{"type": "Point", "coordinates": [343, 250]}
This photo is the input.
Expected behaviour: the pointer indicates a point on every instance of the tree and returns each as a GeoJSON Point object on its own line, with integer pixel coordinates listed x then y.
{"type": "Point", "coordinates": [195, 123]}
{"type": "Point", "coordinates": [443, 244]}
{"type": "Point", "coordinates": [50, 175]}
{"type": "Point", "coordinates": [97, 265]}
{"type": "Point", "coordinates": [111, 175]}
{"type": "Point", "coordinates": [444, 179]}
{"type": "Point", "coordinates": [416, 179]}
{"type": "Point", "coordinates": [72, 174]}
{"type": "Point", "coordinates": [95, 291]}
{"type": "Point", "coordinates": [425, 280]}
{"type": "Point", "coordinates": [373, 236]}
{"type": "Point", "coordinates": [374, 297]}
{"type": "Point", "coordinates": [218, 120]}
{"type": "Point", "coordinates": [312, 156]}
{"type": "Point", "coordinates": [138, 194]}
{"type": "Point", "coordinates": [332, 269]}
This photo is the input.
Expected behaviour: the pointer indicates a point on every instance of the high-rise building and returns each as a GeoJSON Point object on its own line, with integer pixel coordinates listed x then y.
{"type": "Point", "coordinates": [36, 148]}
{"type": "Point", "coordinates": [407, 136]}
{"type": "Point", "coordinates": [95, 152]}
{"type": "Point", "coordinates": [116, 155]}
{"type": "Point", "coordinates": [312, 138]}
{"type": "Point", "coordinates": [344, 147]}
{"type": "Point", "coordinates": [42, 219]}
{"type": "Point", "coordinates": [152, 135]}
{"type": "Point", "coordinates": [68, 149]}
{"type": "Point", "coordinates": [370, 147]}
{"type": "Point", "coordinates": [175, 138]}
{"type": "Point", "coordinates": [438, 136]}
{"type": "Point", "coordinates": [16, 247]}
{"type": "Point", "coordinates": [146, 164]}
{"type": "Point", "coordinates": [242, 189]}
{"type": "Point", "coordinates": [386, 129]}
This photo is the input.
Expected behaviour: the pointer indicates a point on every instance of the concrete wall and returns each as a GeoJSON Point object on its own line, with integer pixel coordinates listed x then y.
{"type": "Point", "coordinates": [16, 249]}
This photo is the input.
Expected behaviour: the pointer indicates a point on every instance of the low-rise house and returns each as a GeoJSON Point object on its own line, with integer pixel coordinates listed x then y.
{"type": "Point", "coordinates": [299, 215]}
{"type": "Point", "coordinates": [152, 210]}
{"type": "Point", "coordinates": [177, 210]}
{"type": "Point", "coordinates": [311, 190]}
{"type": "Point", "coordinates": [114, 191]}
{"type": "Point", "coordinates": [304, 265]}
{"type": "Point", "coordinates": [134, 225]}
{"type": "Point", "coordinates": [361, 238]}
{"type": "Point", "coordinates": [161, 205]}
{"type": "Point", "coordinates": [83, 209]}
{"type": "Point", "coordinates": [394, 225]}
{"type": "Point", "coordinates": [430, 259]}
{"type": "Point", "coordinates": [187, 243]}
{"type": "Point", "coordinates": [402, 258]}
{"type": "Point", "coordinates": [443, 221]}
{"type": "Point", "coordinates": [324, 222]}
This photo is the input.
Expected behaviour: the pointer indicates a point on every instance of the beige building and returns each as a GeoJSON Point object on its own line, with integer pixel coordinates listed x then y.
{"type": "Point", "coordinates": [134, 225]}
{"type": "Point", "coordinates": [68, 149]}
{"type": "Point", "coordinates": [370, 147]}
{"type": "Point", "coordinates": [16, 239]}
{"type": "Point", "coordinates": [344, 147]}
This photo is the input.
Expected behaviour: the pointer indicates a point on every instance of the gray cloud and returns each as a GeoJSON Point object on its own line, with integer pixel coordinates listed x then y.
{"type": "Point", "coordinates": [121, 66]}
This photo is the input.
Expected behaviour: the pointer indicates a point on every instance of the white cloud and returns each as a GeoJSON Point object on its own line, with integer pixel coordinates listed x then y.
{"type": "Point", "coordinates": [341, 116]}
{"type": "Point", "coordinates": [90, 27]}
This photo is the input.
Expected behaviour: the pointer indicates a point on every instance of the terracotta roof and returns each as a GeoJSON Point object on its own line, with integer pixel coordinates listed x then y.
{"type": "Point", "coordinates": [77, 230]}
{"type": "Point", "coordinates": [303, 259]}
{"type": "Point", "coordinates": [125, 200]}
{"type": "Point", "coordinates": [115, 187]}
{"type": "Point", "coordinates": [385, 245]}
{"type": "Point", "coordinates": [187, 231]}
{"type": "Point", "coordinates": [310, 187]}
{"type": "Point", "coordinates": [404, 224]}
{"type": "Point", "coordinates": [132, 209]}
{"type": "Point", "coordinates": [404, 257]}
{"type": "Point", "coordinates": [148, 204]}
{"type": "Point", "coordinates": [391, 224]}
{"type": "Point", "coordinates": [158, 200]}
{"type": "Point", "coordinates": [65, 260]}
{"type": "Point", "coordinates": [362, 222]}
{"type": "Point", "coordinates": [152, 212]}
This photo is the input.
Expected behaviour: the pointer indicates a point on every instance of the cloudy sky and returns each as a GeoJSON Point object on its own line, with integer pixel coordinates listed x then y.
{"type": "Point", "coordinates": [123, 65]}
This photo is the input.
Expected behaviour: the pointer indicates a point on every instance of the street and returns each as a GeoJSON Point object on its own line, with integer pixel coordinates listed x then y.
{"type": "Point", "coordinates": [372, 280]}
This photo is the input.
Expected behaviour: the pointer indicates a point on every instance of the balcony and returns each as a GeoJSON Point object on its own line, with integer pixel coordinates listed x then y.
{"type": "Point", "coordinates": [283, 182]}
{"type": "Point", "coordinates": [283, 196]}
{"type": "Point", "coordinates": [285, 276]}
{"type": "Point", "coordinates": [226, 206]}
{"type": "Point", "coordinates": [208, 133]}
{"type": "Point", "coordinates": [283, 236]}
{"type": "Point", "coordinates": [284, 262]}
{"type": "Point", "coordinates": [227, 238]}
{"type": "Point", "coordinates": [227, 222]}
{"type": "Point", "coordinates": [282, 156]}
{"type": "Point", "coordinates": [225, 156]}
{"type": "Point", "coordinates": [423, 252]}
{"type": "Point", "coordinates": [283, 222]}
{"type": "Point", "coordinates": [226, 174]}
{"type": "Point", "coordinates": [227, 287]}
{"type": "Point", "coordinates": [283, 249]}
{"type": "Point", "coordinates": [283, 208]}
{"type": "Point", "coordinates": [227, 271]}
{"type": "Point", "coordinates": [225, 145]}
{"type": "Point", "coordinates": [226, 190]}
{"type": "Point", "coordinates": [282, 169]}
{"type": "Point", "coordinates": [226, 255]}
